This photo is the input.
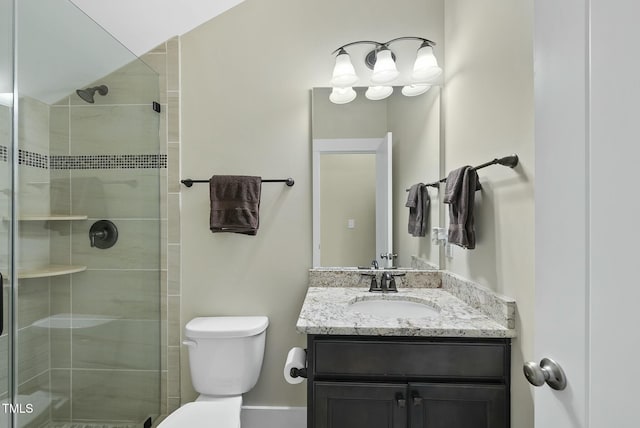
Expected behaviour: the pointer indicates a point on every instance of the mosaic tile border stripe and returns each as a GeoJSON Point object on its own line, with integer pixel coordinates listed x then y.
{"type": "Point", "coordinates": [64, 162]}
{"type": "Point", "coordinates": [36, 160]}
{"type": "Point", "coordinates": [108, 162]}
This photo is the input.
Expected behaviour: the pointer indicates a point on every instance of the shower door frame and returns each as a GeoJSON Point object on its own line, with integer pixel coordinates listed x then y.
{"type": "Point", "coordinates": [10, 417]}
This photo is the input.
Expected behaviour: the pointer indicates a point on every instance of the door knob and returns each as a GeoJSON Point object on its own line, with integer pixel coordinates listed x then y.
{"type": "Point", "coordinates": [547, 371]}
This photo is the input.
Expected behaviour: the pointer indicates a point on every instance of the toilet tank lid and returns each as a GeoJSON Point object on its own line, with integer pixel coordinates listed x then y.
{"type": "Point", "coordinates": [212, 327]}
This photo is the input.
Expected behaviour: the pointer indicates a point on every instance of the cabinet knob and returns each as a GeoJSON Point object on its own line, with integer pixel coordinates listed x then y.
{"type": "Point", "coordinates": [547, 371]}
{"type": "Point", "coordinates": [416, 399]}
{"type": "Point", "coordinates": [400, 400]}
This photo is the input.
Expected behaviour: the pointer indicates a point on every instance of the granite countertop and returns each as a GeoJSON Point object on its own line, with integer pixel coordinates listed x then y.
{"type": "Point", "coordinates": [326, 311]}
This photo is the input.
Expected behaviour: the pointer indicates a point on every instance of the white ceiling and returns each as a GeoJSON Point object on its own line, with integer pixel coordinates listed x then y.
{"type": "Point", "coordinates": [141, 25]}
{"type": "Point", "coordinates": [60, 48]}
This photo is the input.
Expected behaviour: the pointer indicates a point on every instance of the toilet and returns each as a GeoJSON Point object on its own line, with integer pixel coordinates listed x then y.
{"type": "Point", "coordinates": [225, 357]}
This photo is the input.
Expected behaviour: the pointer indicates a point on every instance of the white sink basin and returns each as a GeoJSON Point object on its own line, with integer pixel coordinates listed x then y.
{"type": "Point", "coordinates": [393, 308]}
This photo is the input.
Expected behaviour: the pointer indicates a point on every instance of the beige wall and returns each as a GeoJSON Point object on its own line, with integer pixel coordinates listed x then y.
{"type": "Point", "coordinates": [246, 77]}
{"type": "Point", "coordinates": [489, 113]}
{"type": "Point", "coordinates": [361, 118]}
{"type": "Point", "coordinates": [347, 191]}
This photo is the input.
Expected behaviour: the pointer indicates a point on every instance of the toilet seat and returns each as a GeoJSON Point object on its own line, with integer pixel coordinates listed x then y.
{"type": "Point", "coordinates": [205, 414]}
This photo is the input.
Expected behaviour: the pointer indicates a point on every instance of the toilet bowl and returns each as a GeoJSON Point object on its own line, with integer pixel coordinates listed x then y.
{"type": "Point", "coordinates": [225, 359]}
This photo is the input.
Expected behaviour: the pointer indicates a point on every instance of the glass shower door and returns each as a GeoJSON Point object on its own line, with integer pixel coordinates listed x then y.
{"type": "Point", "coordinates": [87, 292]}
{"type": "Point", "coordinates": [6, 223]}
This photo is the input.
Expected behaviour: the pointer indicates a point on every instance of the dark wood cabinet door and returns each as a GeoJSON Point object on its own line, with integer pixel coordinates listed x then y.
{"type": "Point", "coordinates": [359, 405]}
{"type": "Point", "coordinates": [457, 405]}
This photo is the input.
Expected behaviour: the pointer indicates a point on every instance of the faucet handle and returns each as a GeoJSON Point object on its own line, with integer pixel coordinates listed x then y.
{"type": "Point", "coordinates": [391, 282]}
{"type": "Point", "coordinates": [392, 286]}
{"type": "Point", "coordinates": [374, 285]}
{"type": "Point", "coordinates": [374, 282]}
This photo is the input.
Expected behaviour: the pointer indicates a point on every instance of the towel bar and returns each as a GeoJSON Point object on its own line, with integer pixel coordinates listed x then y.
{"type": "Point", "coordinates": [189, 182]}
{"type": "Point", "coordinates": [510, 161]}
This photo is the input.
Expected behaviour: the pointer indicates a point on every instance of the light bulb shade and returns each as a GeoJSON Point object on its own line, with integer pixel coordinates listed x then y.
{"type": "Point", "coordinates": [425, 68]}
{"type": "Point", "coordinates": [344, 75]}
{"type": "Point", "coordinates": [415, 90]}
{"type": "Point", "coordinates": [342, 95]}
{"type": "Point", "coordinates": [384, 71]}
{"type": "Point", "coordinates": [376, 93]}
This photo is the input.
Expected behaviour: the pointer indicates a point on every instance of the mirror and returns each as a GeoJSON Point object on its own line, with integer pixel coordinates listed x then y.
{"type": "Point", "coordinates": [365, 155]}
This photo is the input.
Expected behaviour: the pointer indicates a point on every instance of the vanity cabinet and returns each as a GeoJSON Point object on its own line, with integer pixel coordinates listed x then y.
{"type": "Point", "coordinates": [407, 382]}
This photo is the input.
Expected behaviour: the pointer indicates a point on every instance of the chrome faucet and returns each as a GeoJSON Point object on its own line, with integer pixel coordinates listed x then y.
{"type": "Point", "coordinates": [374, 264]}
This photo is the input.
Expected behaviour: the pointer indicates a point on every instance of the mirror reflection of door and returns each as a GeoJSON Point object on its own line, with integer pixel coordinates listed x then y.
{"type": "Point", "coordinates": [348, 209]}
{"type": "Point", "coordinates": [351, 201]}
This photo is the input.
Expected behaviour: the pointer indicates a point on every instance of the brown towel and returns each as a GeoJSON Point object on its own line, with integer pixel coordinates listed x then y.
{"type": "Point", "coordinates": [418, 202]}
{"type": "Point", "coordinates": [235, 203]}
{"type": "Point", "coordinates": [460, 191]}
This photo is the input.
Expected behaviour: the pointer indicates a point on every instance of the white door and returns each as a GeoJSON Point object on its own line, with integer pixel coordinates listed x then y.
{"type": "Point", "coordinates": [382, 149]}
{"type": "Point", "coordinates": [587, 256]}
{"type": "Point", "coordinates": [384, 207]}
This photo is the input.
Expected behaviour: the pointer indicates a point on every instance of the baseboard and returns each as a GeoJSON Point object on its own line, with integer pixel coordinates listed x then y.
{"type": "Point", "coordinates": [273, 417]}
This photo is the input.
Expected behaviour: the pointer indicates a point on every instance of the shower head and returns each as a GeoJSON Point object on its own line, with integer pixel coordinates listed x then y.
{"type": "Point", "coordinates": [87, 94]}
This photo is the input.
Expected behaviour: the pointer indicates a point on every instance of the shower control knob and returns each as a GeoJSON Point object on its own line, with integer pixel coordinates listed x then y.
{"type": "Point", "coordinates": [103, 234]}
{"type": "Point", "coordinates": [547, 371]}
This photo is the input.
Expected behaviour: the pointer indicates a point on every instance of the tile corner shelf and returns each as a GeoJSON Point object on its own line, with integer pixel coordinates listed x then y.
{"type": "Point", "coordinates": [48, 217]}
{"type": "Point", "coordinates": [51, 270]}
{"type": "Point", "coordinates": [52, 217]}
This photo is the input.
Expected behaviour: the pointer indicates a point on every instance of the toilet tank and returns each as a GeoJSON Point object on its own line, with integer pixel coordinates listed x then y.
{"type": "Point", "coordinates": [225, 353]}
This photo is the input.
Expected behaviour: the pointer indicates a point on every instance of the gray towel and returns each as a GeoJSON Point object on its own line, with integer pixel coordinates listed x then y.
{"type": "Point", "coordinates": [418, 202]}
{"type": "Point", "coordinates": [235, 204]}
{"type": "Point", "coordinates": [460, 191]}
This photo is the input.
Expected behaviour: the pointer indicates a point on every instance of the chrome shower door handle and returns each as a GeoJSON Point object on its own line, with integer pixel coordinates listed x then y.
{"type": "Point", "coordinates": [547, 371]}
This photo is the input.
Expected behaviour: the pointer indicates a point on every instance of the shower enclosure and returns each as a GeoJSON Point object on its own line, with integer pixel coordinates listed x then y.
{"type": "Point", "coordinates": [79, 143]}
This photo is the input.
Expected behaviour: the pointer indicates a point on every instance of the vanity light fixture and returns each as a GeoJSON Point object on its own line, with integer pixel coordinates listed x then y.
{"type": "Point", "coordinates": [383, 63]}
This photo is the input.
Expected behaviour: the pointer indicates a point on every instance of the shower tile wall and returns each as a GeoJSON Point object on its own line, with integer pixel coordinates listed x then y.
{"type": "Point", "coordinates": [33, 350]}
{"type": "Point", "coordinates": [104, 370]}
{"type": "Point", "coordinates": [165, 60]}
{"type": "Point", "coordinates": [83, 372]}
{"type": "Point", "coordinates": [32, 340]}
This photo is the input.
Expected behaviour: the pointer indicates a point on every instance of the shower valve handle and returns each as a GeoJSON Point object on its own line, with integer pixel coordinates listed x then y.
{"type": "Point", "coordinates": [93, 235]}
{"type": "Point", "coordinates": [103, 234]}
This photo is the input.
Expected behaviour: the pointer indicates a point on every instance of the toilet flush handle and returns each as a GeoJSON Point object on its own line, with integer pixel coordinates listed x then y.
{"type": "Point", "coordinates": [191, 343]}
